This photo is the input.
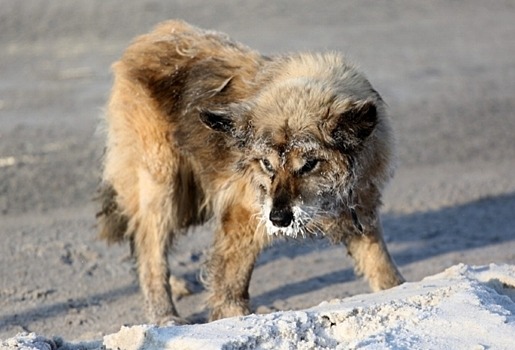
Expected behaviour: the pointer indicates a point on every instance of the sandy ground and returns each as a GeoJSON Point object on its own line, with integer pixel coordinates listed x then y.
{"type": "Point", "coordinates": [446, 69]}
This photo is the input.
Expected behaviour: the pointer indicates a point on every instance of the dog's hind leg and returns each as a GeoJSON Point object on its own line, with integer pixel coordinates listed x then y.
{"type": "Point", "coordinates": [153, 229]}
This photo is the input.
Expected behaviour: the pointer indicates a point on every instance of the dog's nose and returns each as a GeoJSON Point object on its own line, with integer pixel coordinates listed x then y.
{"type": "Point", "coordinates": [281, 217]}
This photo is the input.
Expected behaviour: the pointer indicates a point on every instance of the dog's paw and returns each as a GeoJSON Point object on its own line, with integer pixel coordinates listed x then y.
{"type": "Point", "coordinates": [229, 310]}
{"type": "Point", "coordinates": [171, 321]}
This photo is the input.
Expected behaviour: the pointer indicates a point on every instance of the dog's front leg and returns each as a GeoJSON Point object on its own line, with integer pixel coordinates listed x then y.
{"type": "Point", "coordinates": [372, 258]}
{"type": "Point", "coordinates": [228, 271]}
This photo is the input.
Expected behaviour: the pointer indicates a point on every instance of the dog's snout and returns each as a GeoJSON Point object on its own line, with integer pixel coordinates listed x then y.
{"type": "Point", "coordinates": [281, 217]}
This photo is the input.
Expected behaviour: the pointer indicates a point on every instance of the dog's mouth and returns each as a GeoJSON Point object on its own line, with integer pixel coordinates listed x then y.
{"type": "Point", "coordinates": [294, 222]}
{"type": "Point", "coordinates": [306, 221]}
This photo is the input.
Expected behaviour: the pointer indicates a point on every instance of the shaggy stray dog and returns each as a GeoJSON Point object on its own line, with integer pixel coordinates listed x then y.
{"type": "Point", "coordinates": [201, 127]}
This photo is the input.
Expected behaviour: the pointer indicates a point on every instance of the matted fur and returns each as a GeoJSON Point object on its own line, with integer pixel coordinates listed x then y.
{"type": "Point", "coordinates": [201, 127]}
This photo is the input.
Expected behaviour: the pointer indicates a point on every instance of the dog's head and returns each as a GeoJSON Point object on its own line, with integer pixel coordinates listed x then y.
{"type": "Point", "coordinates": [303, 142]}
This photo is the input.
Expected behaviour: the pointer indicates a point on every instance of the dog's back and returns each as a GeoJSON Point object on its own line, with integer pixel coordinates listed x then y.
{"type": "Point", "coordinates": [161, 82]}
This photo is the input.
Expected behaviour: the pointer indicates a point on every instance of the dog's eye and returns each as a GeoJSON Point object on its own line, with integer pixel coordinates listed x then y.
{"type": "Point", "coordinates": [309, 166]}
{"type": "Point", "coordinates": [266, 165]}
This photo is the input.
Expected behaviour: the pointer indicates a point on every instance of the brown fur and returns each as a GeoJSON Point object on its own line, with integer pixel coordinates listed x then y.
{"type": "Point", "coordinates": [202, 127]}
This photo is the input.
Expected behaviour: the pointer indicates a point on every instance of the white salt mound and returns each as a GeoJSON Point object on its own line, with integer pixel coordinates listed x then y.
{"type": "Point", "coordinates": [464, 307]}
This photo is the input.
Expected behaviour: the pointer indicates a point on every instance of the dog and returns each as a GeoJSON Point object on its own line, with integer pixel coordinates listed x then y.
{"type": "Point", "coordinates": [200, 127]}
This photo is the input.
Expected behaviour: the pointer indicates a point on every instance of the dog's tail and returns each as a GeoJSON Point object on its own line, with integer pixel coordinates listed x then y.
{"type": "Point", "coordinates": [112, 224]}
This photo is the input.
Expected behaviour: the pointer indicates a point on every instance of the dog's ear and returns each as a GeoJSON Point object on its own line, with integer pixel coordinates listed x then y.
{"type": "Point", "coordinates": [355, 125]}
{"type": "Point", "coordinates": [232, 122]}
{"type": "Point", "coordinates": [220, 121]}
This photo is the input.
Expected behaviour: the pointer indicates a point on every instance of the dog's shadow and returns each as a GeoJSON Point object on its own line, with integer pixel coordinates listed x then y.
{"type": "Point", "coordinates": [476, 224]}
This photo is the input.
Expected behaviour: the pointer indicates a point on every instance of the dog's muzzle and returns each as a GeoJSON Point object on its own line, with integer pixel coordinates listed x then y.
{"type": "Point", "coordinates": [281, 217]}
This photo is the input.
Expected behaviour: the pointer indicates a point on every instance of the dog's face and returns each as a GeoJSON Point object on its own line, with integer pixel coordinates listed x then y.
{"type": "Point", "coordinates": [299, 142]}
{"type": "Point", "coordinates": [301, 183]}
